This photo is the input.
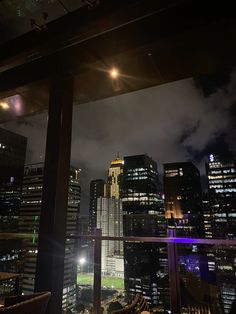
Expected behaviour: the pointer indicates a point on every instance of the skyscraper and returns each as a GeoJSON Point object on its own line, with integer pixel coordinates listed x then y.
{"type": "Point", "coordinates": [12, 160]}
{"type": "Point", "coordinates": [29, 223]}
{"type": "Point", "coordinates": [183, 205]}
{"type": "Point", "coordinates": [97, 189]}
{"type": "Point", "coordinates": [145, 263]}
{"type": "Point", "coordinates": [184, 213]}
{"type": "Point", "coordinates": [115, 178]}
{"type": "Point", "coordinates": [221, 174]}
{"type": "Point", "coordinates": [110, 220]}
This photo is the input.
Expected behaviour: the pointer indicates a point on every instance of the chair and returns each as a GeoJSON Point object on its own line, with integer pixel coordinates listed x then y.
{"type": "Point", "coordinates": [26, 304]}
{"type": "Point", "coordinates": [138, 305]}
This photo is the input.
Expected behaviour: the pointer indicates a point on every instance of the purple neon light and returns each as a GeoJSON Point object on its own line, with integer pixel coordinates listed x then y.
{"type": "Point", "coordinates": [225, 242]}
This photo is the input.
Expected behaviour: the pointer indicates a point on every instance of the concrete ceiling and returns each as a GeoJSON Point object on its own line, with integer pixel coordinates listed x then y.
{"type": "Point", "coordinates": [149, 44]}
{"type": "Point", "coordinates": [16, 15]}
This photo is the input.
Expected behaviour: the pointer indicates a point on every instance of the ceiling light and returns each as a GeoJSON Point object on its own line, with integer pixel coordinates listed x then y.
{"type": "Point", "coordinates": [114, 73]}
{"type": "Point", "coordinates": [4, 105]}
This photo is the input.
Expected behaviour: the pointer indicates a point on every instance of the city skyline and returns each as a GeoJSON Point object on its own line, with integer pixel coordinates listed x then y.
{"type": "Point", "coordinates": [118, 157]}
{"type": "Point", "coordinates": [136, 182]}
{"type": "Point", "coordinates": [175, 122]}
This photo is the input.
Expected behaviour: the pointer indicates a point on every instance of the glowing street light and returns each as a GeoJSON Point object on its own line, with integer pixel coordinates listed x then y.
{"type": "Point", "coordinates": [114, 73]}
{"type": "Point", "coordinates": [82, 261]}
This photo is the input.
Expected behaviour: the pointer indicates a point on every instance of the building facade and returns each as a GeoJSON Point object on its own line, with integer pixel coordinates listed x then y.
{"type": "Point", "coordinates": [185, 214]}
{"type": "Point", "coordinates": [110, 220]}
{"type": "Point", "coordinates": [146, 264]}
{"type": "Point", "coordinates": [29, 224]}
{"type": "Point", "coordinates": [12, 161]}
{"type": "Point", "coordinates": [183, 199]}
{"type": "Point", "coordinates": [221, 174]}
{"type": "Point", "coordinates": [97, 189]}
{"type": "Point", "coordinates": [114, 182]}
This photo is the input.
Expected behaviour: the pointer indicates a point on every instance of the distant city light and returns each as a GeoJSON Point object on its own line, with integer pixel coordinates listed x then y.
{"type": "Point", "coordinates": [114, 73]}
{"type": "Point", "coordinates": [211, 158]}
{"type": "Point", "coordinates": [4, 105]}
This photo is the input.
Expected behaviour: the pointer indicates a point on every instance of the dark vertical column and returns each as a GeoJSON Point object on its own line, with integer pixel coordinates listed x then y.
{"type": "Point", "coordinates": [51, 242]}
{"type": "Point", "coordinates": [173, 275]}
{"type": "Point", "coordinates": [97, 272]}
{"type": "Point", "coordinates": [17, 286]}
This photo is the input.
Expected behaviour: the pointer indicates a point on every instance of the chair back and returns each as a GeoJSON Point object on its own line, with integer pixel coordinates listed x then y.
{"type": "Point", "coordinates": [27, 304]}
{"type": "Point", "coordinates": [138, 305]}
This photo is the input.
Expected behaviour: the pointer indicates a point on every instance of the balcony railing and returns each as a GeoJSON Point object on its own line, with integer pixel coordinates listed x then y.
{"type": "Point", "coordinates": [174, 274]}
{"type": "Point", "coordinates": [199, 272]}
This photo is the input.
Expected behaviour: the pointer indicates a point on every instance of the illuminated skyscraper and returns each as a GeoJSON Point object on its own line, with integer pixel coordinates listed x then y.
{"type": "Point", "coordinates": [146, 268]}
{"type": "Point", "coordinates": [184, 211]}
{"type": "Point", "coordinates": [29, 224]}
{"type": "Point", "coordinates": [110, 220]}
{"type": "Point", "coordinates": [221, 174]}
{"type": "Point", "coordinates": [115, 178]}
{"type": "Point", "coordinates": [97, 189]}
{"type": "Point", "coordinates": [12, 161]}
{"type": "Point", "coordinates": [183, 205]}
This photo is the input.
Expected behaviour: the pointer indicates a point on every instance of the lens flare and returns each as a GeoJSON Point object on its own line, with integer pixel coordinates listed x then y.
{"type": "Point", "coordinates": [114, 73]}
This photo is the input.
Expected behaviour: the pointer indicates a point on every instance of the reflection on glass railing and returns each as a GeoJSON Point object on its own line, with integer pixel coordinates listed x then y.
{"type": "Point", "coordinates": [203, 283]}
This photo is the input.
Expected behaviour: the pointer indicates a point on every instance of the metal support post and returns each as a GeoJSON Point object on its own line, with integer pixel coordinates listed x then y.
{"type": "Point", "coordinates": [173, 274]}
{"type": "Point", "coordinates": [52, 230]}
{"type": "Point", "coordinates": [97, 272]}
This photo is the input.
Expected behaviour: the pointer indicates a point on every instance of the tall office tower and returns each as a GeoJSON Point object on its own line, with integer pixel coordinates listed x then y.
{"type": "Point", "coordinates": [97, 189]}
{"type": "Point", "coordinates": [183, 205]}
{"type": "Point", "coordinates": [12, 160]}
{"type": "Point", "coordinates": [110, 220]}
{"type": "Point", "coordinates": [184, 211]}
{"type": "Point", "coordinates": [146, 268]}
{"type": "Point", "coordinates": [29, 224]}
{"type": "Point", "coordinates": [221, 174]}
{"type": "Point", "coordinates": [115, 178]}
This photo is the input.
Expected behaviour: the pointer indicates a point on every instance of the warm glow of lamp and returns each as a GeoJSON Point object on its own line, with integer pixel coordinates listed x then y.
{"type": "Point", "coordinates": [114, 73]}
{"type": "Point", "coordinates": [4, 105]}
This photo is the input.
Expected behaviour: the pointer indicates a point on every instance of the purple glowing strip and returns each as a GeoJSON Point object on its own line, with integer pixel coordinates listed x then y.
{"type": "Point", "coordinates": [226, 242]}
{"type": "Point", "coordinates": [173, 240]}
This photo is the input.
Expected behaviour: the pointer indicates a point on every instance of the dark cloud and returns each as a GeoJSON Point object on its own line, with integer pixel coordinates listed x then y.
{"type": "Point", "coordinates": [174, 122]}
{"type": "Point", "coordinates": [210, 83]}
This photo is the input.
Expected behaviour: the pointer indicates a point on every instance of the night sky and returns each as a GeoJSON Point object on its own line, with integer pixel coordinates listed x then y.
{"type": "Point", "coordinates": [179, 121]}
